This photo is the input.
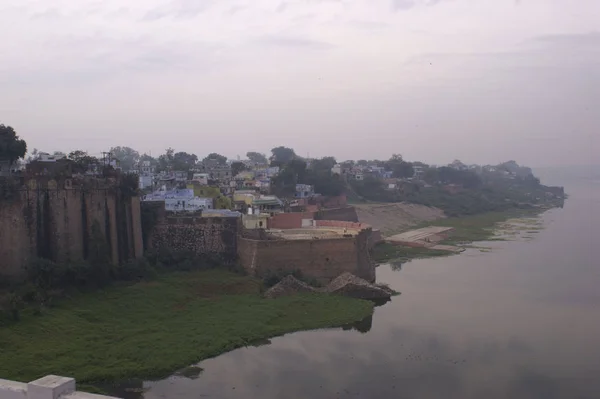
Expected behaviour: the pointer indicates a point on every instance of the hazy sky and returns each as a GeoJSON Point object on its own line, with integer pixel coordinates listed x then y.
{"type": "Point", "coordinates": [434, 80]}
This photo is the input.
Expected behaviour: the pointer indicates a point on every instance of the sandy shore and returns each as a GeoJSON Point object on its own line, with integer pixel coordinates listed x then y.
{"type": "Point", "coordinates": [393, 218]}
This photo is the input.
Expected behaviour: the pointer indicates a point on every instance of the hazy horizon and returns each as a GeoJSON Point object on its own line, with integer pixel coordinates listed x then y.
{"type": "Point", "coordinates": [433, 80]}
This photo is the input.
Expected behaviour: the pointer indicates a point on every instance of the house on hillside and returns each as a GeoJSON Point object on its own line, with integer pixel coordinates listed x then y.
{"type": "Point", "coordinates": [304, 191]}
{"type": "Point", "coordinates": [418, 171]}
{"type": "Point", "coordinates": [193, 204]}
{"type": "Point", "coordinates": [269, 204]}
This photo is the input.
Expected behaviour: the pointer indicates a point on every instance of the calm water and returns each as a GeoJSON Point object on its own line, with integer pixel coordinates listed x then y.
{"type": "Point", "coordinates": [521, 321]}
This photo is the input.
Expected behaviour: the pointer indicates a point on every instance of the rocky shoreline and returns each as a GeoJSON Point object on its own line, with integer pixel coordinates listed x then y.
{"type": "Point", "coordinates": [345, 284]}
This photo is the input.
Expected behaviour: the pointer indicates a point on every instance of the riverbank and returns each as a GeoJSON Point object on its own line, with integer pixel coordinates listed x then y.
{"type": "Point", "coordinates": [467, 229]}
{"type": "Point", "coordinates": [152, 329]}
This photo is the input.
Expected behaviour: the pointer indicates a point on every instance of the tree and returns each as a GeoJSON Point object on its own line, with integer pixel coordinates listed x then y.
{"type": "Point", "coordinates": [165, 161]}
{"type": "Point", "coordinates": [257, 157]}
{"type": "Point", "coordinates": [183, 161]}
{"type": "Point", "coordinates": [291, 174]}
{"type": "Point", "coordinates": [283, 154]}
{"type": "Point", "coordinates": [82, 160]}
{"type": "Point", "coordinates": [146, 157]}
{"type": "Point", "coordinates": [215, 158]}
{"type": "Point", "coordinates": [466, 178]}
{"type": "Point", "coordinates": [58, 154]}
{"type": "Point", "coordinates": [237, 167]}
{"type": "Point", "coordinates": [398, 167]}
{"type": "Point", "coordinates": [325, 163]}
{"type": "Point", "coordinates": [362, 162]}
{"type": "Point", "coordinates": [12, 147]}
{"type": "Point", "coordinates": [127, 156]}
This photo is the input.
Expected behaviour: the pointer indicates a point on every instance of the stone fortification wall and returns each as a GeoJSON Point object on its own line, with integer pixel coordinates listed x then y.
{"type": "Point", "coordinates": [293, 220]}
{"type": "Point", "coordinates": [54, 221]}
{"type": "Point", "coordinates": [322, 259]}
{"type": "Point", "coordinates": [202, 235]}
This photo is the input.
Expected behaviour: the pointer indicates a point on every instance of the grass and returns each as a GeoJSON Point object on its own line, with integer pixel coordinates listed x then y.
{"type": "Point", "coordinates": [480, 227]}
{"type": "Point", "coordinates": [386, 252]}
{"type": "Point", "coordinates": [467, 229]}
{"type": "Point", "coordinates": [151, 329]}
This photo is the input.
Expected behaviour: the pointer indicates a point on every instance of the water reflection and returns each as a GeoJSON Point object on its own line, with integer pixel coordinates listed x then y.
{"type": "Point", "coordinates": [363, 326]}
{"type": "Point", "coordinates": [520, 321]}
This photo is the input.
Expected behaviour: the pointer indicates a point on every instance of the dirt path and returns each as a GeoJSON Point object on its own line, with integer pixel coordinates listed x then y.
{"type": "Point", "coordinates": [393, 218]}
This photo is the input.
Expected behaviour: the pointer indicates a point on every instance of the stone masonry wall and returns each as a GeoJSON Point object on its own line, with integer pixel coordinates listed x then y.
{"type": "Point", "coordinates": [202, 235]}
{"type": "Point", "coordinates": [322, 259]}
{"type": "Point", "coordinates": [55, 223]}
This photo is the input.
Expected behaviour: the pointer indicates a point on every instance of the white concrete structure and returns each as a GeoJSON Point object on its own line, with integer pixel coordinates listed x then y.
{"type": "Point", "coordinates": [201, 178]}
{"type": "Point", "coordinates": [193, 204]}
{"type": "Point", "coordinates": [145, 181]}
{"type": "Point", "coordinates": [49, 387]}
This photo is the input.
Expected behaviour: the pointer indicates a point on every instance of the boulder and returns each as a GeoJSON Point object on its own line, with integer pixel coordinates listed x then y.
{"type": "Point", "coordinates": [289, 285]}
{"type": "Point", "coordinates": [348, 284]}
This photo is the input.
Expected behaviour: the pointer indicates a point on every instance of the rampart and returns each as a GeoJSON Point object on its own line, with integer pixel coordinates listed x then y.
{"type": "Point", "coordinates": [54, 220]}
{"type": "Point", "coordinates": [321, 258]}
{"type": "Point", "coordinates": [294, 220]}
{"type": "Point", "coordinates": [201, 235]}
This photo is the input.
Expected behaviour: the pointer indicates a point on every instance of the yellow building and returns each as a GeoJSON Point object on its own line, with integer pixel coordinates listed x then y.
{"type": "Point", "coordinates": [244, 196]}
{"type": "Point", "coordinates": [255, 221]}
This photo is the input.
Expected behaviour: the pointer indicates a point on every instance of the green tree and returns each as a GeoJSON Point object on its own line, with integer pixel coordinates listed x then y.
{"type": "Point", "coordinates": [127, 156]}
{"type": "Point", "coordinates": [59, 154]}
{"type": "Point", "coordinates": [216, 158]}
{"type": "Point", "coordinates": [283, 154]}
{"type": "Point", "coordinates": [165, 161]}
{"type": "Point", "coordinates": [82, 160]}
{"type": "Point", "coordinates": [12, 147]}
{"type": "Point", "coordinates": [184, 161]}
{"type": "Point", "coordinates": [325, 163]}
{"type": "Point", "coordinates": [237, 167]}
{"type": "Point", "coordinates": [257, 157]}
{"type": "Point", "coordinates": [398, 167]}
{"type": "Point", "coordinates": [290, 175]}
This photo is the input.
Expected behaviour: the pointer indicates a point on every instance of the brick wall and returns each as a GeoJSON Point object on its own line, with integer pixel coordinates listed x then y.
{"type": "Point", "coordinates": [202, 235]}
{"type": "Point", "coordinates": [341, 224]}
{"type": "Point", "coordinates": [322, 259]}
{"type": "Point", "coordinates": [288, 220]}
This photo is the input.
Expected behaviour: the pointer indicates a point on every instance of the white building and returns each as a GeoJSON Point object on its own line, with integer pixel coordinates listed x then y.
{"type": "Point", "coordinates": [201, 178]}
{"type": "Point", "coordinates": [146, 181]}
{"type": "Point", "coordinates": [194, 204]}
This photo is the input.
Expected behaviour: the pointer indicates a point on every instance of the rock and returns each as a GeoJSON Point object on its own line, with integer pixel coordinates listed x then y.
{"type": "Point", "coordinates": [289, 285]}
{"type": "Point", "coordinates": [348, 284]}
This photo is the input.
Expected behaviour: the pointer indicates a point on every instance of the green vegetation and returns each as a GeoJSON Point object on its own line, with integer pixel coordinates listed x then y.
{"type": "Point", "coordinates": [467, 229]}
{"type": "Point", "coordinates": [478, 227]}
{"type": "Point", "coordinates": [386, 252]}
{"type": "Point", "coordinates": [151, 329]}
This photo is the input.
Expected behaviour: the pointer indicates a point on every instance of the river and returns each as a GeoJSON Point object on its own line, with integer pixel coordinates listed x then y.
{"type": "Point", "coordinates": [521, 320]}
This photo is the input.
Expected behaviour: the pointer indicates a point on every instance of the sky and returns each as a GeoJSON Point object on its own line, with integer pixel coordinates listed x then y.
{"type": "Point", "coordinates": [482, 81]}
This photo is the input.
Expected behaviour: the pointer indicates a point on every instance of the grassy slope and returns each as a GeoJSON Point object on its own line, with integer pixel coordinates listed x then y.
{"type": "Point", "coordinates": [153, 328]}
